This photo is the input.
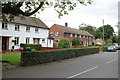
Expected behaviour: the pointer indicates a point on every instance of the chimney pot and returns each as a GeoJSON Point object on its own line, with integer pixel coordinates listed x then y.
{"type": "Point", "coordinates": [66, 24]}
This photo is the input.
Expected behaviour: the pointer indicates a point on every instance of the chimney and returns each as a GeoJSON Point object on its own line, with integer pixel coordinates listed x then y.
{"type": "Point", "coordinates": [66, 24]}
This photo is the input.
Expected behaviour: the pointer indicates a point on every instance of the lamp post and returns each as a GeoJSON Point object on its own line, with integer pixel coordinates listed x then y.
{"type": "Point", "coordinates": [103, 34]}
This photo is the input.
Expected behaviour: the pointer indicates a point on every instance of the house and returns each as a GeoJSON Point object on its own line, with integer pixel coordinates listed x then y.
{"type": "Point", "coordinates": [58, 32]}
{"type": "Point", "coordinates": [99, 42]}
{"type": "Point", "coordinates": [28, 30]}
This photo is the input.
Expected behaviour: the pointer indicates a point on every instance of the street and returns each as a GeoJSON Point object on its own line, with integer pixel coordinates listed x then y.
{"type": "Point", "coordinates": [101, 65]}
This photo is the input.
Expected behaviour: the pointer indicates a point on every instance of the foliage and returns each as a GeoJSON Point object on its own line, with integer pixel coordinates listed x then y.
{"type": "Point", "coordinates": [12, 58]}
{"type": "Point", "coordinates": [64, 43]}
{"type": "Point", "coordinates": [108, 31]}
{"type": "Point", "coordinates": [33, 7]}
{"type": "Point", "coordinates": [89, 28]}
{"type": "Point", "coordinates": [32, 46]}
{"type": "Point", "coordinates": [109, 41]}
{"type": "Point", "coordinates": [33, 49]}
{"type": "Point", "coordinates": [39, 57]}
{"type": "Point", "coordinates": [76, 42]}
{"type": "Point", "coordinates": [105, 48]}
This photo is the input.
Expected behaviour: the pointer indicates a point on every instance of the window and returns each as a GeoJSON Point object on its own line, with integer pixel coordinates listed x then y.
{"type": "Point", "coordinates": [89, 43]}
{"type": "Point", "coordinates": [57, 33]}
{"type": "Point", "coordinates": [80, 36]}
{"type": "Point", "coordinates": [27, 28]}
{"type": "Point", "coordinates": [4, 25]}
{"type": "Point", "coordinates": [36, 30]}
{"type": "Point", "coordinates": [71, 35]}
{"type": "Point", "coordinates": [75, 35]}
{"type": "Point", "coordinates": [89, 37]}
{"type": "Point", "coordinates": [36, 41]}
{"type": "Point", "coordinates": [51, 33]}
{"type": "Point", "coordinates": [83, 36]}
{"type": "Point", "coordinates": [16, 27]}
{"type": "Point", "coordinates": [16, 40]}
{"type": "Point", "coordinates": [43, 40]}
{"type": "Point", "coordinates": [27, 40]}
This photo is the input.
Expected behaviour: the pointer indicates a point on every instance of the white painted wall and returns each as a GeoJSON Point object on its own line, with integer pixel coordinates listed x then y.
{"type": "Point", "coordinates": [22, 34]}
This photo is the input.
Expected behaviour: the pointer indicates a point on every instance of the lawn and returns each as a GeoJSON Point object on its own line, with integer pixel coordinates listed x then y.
{"type": "Point", "coordinates": [12, 58]}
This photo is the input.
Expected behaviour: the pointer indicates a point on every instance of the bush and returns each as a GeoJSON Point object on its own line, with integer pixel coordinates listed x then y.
{"type": "Point", "coordinates": [28, 48]}
{"type": "Point", "coordinates": [33, 49]}
{"type": "Point", "coordinates": [105, 48]}
{"type": "Point", "coordinates": [64, 43]}
{"type": "Point", "coordinates": [76, 42]}
{"type": "Point", "coordinates": [39, 57]}
{"type": "Point", "coordinates": [33, 46]}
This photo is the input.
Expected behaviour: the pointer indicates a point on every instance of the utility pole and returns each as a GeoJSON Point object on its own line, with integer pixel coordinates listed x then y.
{"type": "Point", "coordinates": [103, 34]}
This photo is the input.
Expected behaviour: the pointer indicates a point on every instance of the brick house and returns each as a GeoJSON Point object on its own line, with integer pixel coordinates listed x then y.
{"type": "Point", "coordinates": [58, 32]}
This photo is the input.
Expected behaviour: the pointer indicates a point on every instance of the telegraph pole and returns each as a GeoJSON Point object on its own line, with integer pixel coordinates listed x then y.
{"type": "Point", "coordinates": [103, 34]}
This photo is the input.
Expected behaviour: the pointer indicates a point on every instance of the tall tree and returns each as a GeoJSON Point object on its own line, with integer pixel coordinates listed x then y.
{"type": "Point", "coordinates": [108, 31]}
{"type": "Point", "coordinates": [31, 7]}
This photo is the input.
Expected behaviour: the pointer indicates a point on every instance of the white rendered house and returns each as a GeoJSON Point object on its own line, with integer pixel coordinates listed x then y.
{"type": "Point", "coordinates": [26, 30]}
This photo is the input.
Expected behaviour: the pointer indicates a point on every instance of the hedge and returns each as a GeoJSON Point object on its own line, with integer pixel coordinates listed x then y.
{"type": "Point", "coordinates": [39, 57]}
{"type": "Point", "coordinates": [33, 46]}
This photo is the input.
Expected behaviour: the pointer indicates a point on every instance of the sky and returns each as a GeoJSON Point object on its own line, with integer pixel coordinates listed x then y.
{"type": "Point", "coordinates": [91, 14]}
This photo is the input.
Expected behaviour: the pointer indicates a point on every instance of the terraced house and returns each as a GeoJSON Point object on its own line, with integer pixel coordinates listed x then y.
{"type": "Point", "coordinates": [28, 30]}
{"type": "Point", "coordinates": [58, 32]}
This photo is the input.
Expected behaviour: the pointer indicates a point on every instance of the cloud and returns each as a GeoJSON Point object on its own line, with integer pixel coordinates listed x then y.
{"type": "Point", "coordinates": [92, 14]}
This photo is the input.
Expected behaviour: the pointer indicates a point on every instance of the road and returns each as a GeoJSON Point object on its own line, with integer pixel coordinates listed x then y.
{"type": "Point", "coordinates": [101, 65]}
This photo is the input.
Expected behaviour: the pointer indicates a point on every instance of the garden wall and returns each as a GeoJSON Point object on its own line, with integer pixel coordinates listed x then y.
{"type": "Point", "coordinates": [39, 57]}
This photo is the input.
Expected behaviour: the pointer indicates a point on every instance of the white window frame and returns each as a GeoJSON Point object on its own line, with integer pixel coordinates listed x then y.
{"type": "Point", "coordinates": [79, 36]}
{"type": "Point", "coordinates": [36, 29]}
{"type": "Point", "coordinates": [27, 40]}
{"type": "Point", "coordinates": [51, 33]}
{"type": "Point", "coordinates": [90, 37]}
{"type": "Point", "coordinates": [17, 27]}
{"type": "Point", "coordinates": [56, 33]}
{"type": "Point", "coordinates": [89, 43]}
{"type": "Point", "coordinates": [27, 28]}
{"type": "Point", "coordinates": [4, 26]}
{"type": "Point", "coordinates": [16, 40]}
{"type": "Point", "coordinates": [83, 36]}
{"type": "Point", "coordinates": [43, 40]}
{"type": "Point", "coordinates": [71, 35]}
{"type": "Point", "coordinates": [75, 35]}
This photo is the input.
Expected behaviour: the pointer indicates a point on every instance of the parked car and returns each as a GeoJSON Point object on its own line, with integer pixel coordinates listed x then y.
{"type": "Point", "coordinates": [117, 47]}
{"type": "Point", "coordinates": [111, 49]}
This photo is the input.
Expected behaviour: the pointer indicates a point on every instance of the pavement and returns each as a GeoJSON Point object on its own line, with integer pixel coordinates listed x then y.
{"type": "Point", "coordinates": [101, 65]}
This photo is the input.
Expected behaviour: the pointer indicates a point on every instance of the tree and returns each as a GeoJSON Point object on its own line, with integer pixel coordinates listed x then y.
{"type": "Point", "coordinates": [31, 7]}
{"type": "Point", "coordinates": [76, 42]}
{"type": "Point", "coordinates": [64, 43]}
{"type": "Point", "coordinates": [108, 31]}
{"type": "Point", "coordinates": [90, 29]}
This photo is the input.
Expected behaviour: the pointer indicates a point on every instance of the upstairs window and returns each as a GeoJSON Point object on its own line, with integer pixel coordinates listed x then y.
{"type": "Point", "coordinates": [79, 36]}
{"type": "Point", "coordinates": [71, 35]}
{"type": "Point", "coordinates": [57, 33]}
{"type": "Point", "coordinates": [16, 27]}
{"type": "Point", "coordinates": [83, 36]}
{"type": "Point", "coordinates": [27, 28]}
{"type": "Point", "coordinates": [36, 30]}
{"type": "Point", "coordinates": [51, 33]}
{"type": "Point", "coordinates": [75, 35]}
{"type": "Point", "coordinates": [4, 26]}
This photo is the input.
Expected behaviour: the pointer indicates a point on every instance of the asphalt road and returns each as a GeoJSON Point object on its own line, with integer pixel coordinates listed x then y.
{"type": "Point", "coordinates": [101, 65]}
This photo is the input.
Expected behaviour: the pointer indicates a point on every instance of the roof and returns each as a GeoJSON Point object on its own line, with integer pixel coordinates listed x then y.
{"type": "Point", "coordinates": [73, 31]}
{"type": "Point", "coordinates": [29, 21]}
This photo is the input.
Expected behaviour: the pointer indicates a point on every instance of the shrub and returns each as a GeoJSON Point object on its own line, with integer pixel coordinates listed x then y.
{"type": "Point", "coordinates": [64, 43]}
{"type": "Point", "coordinates": [33, 46]}
{"type": "Point", "coordinates": [105, 48]}
{"type": "Point", "coordinates": [39, 57]}
{"type": "Point", "coordinates": [33, 49]}
{"type": "Point", "coordinates": [76, 42]}
{"type": "Point", "coordinates": [28, 48]}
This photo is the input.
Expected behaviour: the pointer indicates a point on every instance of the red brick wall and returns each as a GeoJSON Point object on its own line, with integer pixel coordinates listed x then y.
{"type": "Point", "coordinates": [54, 29]}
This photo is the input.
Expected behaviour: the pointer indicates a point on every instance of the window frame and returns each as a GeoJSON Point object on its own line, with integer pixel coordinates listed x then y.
{"type": "Point", "coordinates": [36, 30]}
{"type": "Point", "coordinates": [16, 41]}
{"type": "Point", "coordinates": [4, 25]}
{"type": "Point", "coordinates": [27, 40]}
{"type": "Point", "coordinates": [51, 34]}
{"type": "Point", "coordinates": [17, 27]}
{"type": "Point", "coordinates": [27, 27]}
{"type": "Point", "coordinates": [56, 33]}
{"type": "Point", "coordinates": [71, 35]}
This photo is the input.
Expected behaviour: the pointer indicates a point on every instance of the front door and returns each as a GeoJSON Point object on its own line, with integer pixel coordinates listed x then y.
{"type": "Point", "coordinates": [5, 43]}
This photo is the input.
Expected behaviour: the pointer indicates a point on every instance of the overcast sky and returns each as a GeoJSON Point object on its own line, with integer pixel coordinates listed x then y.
{"type": "Point", "coordinates": [92, 14]}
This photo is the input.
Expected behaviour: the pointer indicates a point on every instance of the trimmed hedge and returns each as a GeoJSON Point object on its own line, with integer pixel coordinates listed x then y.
{"type": "Point", "coordinates": [39, 57]}
{"type": "Point", "coordinates": [33, 46]}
